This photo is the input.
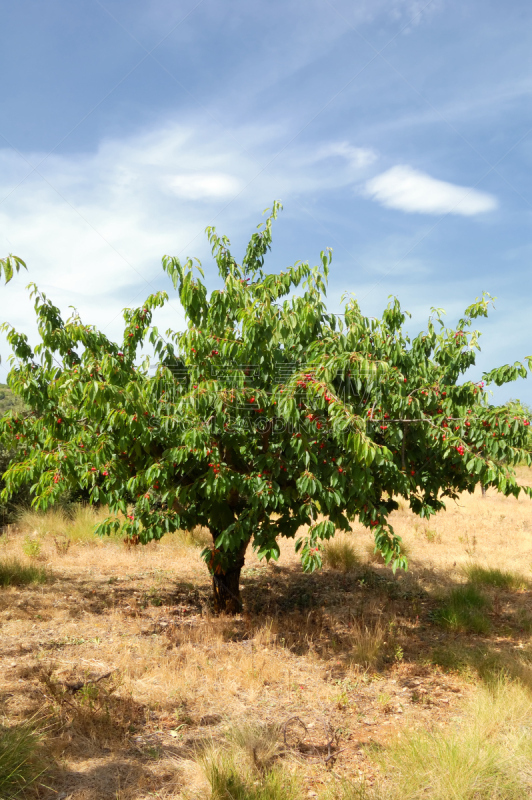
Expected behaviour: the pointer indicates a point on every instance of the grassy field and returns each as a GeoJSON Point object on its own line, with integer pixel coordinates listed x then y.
{"type": "Point", "coordinates": [117, 682]}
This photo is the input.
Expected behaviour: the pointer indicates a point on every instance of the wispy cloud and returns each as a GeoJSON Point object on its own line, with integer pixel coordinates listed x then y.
{"type": "Point", "coordinates": [408, 189]}
{"type": "Point", "coordinates": [356, 157]}
{"type": "Point", "coordinates": [204, 185]}
{"type": "Point", "coordinates": [93, 226]}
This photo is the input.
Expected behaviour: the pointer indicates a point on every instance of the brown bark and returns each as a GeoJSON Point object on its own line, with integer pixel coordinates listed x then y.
{"type": "Point", "coordinates": [226, 584]}
{"type": "Point", "coordinates": [226, 591]}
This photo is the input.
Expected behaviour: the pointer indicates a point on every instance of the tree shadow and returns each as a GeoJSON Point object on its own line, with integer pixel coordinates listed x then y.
{"type": "Point", "coordinates": [114, 776]}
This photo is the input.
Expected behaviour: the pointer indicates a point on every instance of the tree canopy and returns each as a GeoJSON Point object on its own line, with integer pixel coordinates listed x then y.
{"type": "Point", "coordinates": [266, 417]}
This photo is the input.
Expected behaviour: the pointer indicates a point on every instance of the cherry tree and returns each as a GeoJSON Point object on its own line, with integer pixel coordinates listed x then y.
{"type": "Point", "coordinates": [266, 417]}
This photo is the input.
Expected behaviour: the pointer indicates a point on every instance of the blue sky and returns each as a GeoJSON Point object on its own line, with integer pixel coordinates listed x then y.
{"type": "Point", "coordinates": [397, 132]}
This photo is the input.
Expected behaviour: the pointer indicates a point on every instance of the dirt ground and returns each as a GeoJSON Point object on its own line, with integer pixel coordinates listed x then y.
{"type": "Point", "coordinates": [120, 658]}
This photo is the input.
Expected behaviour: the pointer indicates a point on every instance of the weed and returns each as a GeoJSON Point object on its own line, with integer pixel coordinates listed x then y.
{"type": "Point", "coordinates": [470, 544]}
{"type": "Point", "coordinates": [32, 547]}
{"type": "Point", "coordinates": [62, 545]}
{"type": "Point", "coordinates": [341, 699]}
{"type": "Point", "coordinates": [492, 576]}
{"type": "Point", "coordinates": [384, 699]}
{"type": "Point", "coordinates": [432, 536]}
{"type": "Point", "coordinates": [151, 598]}
{"type": "Point", "coordinates": [13, 573]}
{"type": "Point", "coordinates": [398, 653]}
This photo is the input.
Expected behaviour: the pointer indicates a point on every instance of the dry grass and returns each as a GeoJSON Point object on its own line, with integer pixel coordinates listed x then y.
{"type": "Point", "coordinates": [13, 573]}
{"type": "Point", "coordinates": [486, 756]}
{"type": "Point", "coordinates": [299, 694]}
{"type": "Point", "coordinates": [77, 527]}
{"type": "Point", "coordinates": [367, 641]}
{"type": "Point", "coordinates": [339, 553]}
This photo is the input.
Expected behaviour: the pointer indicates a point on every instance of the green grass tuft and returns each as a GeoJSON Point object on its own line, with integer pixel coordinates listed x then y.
{"type": "Point", "coordinates": [492, 576]}
{"type": "Point", "coordinates": [231, 778]}
{"type": "Point", "coordinates": [19, 764]}
{"type": "Point", "coordinates": [464, 610]}
{"type": "Point", "coordinates": [228, 784]}
{"type": "Point", "coordinates": [13, 573]}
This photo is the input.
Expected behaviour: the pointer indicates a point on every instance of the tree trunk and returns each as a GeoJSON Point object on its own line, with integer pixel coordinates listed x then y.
{"type": "Point", "coordinates": [226, 591]}
{"type": "Point", "coordinates": [226, 584]}
{"type": "Point", "coordinates": [484, 489]}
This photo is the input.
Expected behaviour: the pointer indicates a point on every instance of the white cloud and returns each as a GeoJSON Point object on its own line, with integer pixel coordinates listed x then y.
{"type": "Point", "coordinates": [407, 189]}
{"type": "Point", "coordinates": [414, 11]}
{"type": "Point", "coordinates": [93, 226]}
{"type": "Point", "coordinates": [357, 157]}
{"type": "Point", "coordinates": [204, 186]}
